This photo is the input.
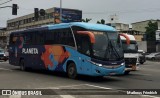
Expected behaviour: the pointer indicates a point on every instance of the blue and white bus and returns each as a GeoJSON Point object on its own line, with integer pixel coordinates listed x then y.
{"type": "Point", "coordinates": [74, 48]}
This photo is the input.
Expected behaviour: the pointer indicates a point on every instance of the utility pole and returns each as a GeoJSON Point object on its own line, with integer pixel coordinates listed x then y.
{"type": "Point", "coordinates": [60, 10]}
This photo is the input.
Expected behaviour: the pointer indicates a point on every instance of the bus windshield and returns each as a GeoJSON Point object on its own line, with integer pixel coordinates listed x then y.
{"type": "Point", "coordinates": [131, 48]}
{"type": "Point", "coordinates": [107, 46]}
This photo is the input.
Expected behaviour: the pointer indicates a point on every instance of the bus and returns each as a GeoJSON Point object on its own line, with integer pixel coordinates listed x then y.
{"type": "Point", "coordinates": [130, 48]}
{"type": "Point", "coordinates": [74, 48]}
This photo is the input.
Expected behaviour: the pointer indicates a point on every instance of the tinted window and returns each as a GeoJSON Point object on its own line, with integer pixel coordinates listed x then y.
{"type": "Point", "coordinates": [83, 44]}
{"type": "Point", "coordinates": [60, 36]}
{"type": "Point", "coordinates": [39, 37]}
{"type": "Point", "coordinates": [27, 38]}
{"type": "Point", "coordinates": [12, 39]}
{"type": "Point", "coordinates": [15, 39]}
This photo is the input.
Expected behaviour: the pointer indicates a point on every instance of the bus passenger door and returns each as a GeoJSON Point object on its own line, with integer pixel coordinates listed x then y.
{"type": "Point", "coordinates": [14, 49]}
{"type": "Point", "coordinates": [84, 47]}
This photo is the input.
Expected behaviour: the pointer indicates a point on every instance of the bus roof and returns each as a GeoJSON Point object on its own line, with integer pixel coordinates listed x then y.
{"type": "Point", "coordinates": [131, 37]}
{"type": "Point", "coordinates": [30, 29]}
{"type": "Point", "coordinates": [89, 26]}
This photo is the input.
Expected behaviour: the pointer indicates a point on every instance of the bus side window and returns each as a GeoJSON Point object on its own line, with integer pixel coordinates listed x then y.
{"type": "Point", "coordinates": [70, 40]}
{"type": "Point", "coordinates": [13, 39]}
{"type": "Point", "coordinates": [66, 35]}
{"type": "Point", "coordinates": [49, 37]}
{"type": "Point", "coordinates": [83, 44]}
{"type": "Point", "coordinates": [40, 37]}
{"type": "Point", "coordinates": [27, 38]}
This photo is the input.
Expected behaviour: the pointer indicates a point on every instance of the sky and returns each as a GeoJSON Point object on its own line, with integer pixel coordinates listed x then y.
{"type": "Point", "coordinates": [126, 11]}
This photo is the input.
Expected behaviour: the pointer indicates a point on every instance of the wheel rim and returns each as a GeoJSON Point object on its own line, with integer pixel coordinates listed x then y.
{"type": "Point", "coordinates": [71, 71]}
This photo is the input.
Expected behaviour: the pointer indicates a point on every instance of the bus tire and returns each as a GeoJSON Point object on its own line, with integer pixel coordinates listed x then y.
{"type": "Point", "coordinates": [141, 62]}
{"type": "Point", "coordinates": [126, 72]}
{"type": "Point", "coordinates": [72, 71]}
{"type": "Point", "coordinates": [22, 66]}
{"type": "Point", "coordinates": [153, 58]}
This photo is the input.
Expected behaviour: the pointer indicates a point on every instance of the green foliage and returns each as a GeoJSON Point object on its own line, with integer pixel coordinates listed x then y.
{"type": "Point", "coordinates": [101, 22]}
{"type": "Point", "coordinates": [150, 31]}
{"type": "Point", "coordinates": [86, 20]}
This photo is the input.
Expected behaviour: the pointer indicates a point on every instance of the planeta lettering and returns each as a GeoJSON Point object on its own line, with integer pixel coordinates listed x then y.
{"type": "Point", "coordinates": [29, 51]}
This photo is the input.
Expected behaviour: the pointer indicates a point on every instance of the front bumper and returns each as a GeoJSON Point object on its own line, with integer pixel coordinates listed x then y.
{"type": "Point", "coordinates": [102, 71]}
{"type": "Point", "coordinates": [131, 67]}
{"type": "Point", "coordinates": [3, 58]}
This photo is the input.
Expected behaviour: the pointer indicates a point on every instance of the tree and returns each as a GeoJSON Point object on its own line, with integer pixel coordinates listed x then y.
{"type": "Point", "coordinates": [150, 31]}
{"type": "Point", "coordinates": [101, 22]}
{"type": "Point", "coordinates": [86, 20]}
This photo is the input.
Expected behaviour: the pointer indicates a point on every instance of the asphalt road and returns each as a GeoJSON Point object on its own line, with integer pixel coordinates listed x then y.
{"type": "Point", "coordinates": [147, 77]}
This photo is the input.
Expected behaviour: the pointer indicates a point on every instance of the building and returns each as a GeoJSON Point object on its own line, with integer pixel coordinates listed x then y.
{"type": "Point", "coordinates": [52, 16]}
{"type": "Point", "coordinates": [152, 46]}
{"type": "Point", "coordinates": [119, 26]}
{"type": "Point", "coordinates": [3, 37]}
{"type": "Point", "coordinates": [140, 26]}
{"type": "Point", "coordinates": [139, 36]}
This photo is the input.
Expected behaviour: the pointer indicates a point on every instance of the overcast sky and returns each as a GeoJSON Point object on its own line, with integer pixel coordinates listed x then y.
{"type": "Point", "coordinates": [127, 11]}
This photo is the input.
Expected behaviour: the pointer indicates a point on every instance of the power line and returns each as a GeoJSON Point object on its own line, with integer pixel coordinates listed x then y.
{"type": "Point", "coordinates": [5, 2]}
{"type": "Point", "coordinates": [126, 11]}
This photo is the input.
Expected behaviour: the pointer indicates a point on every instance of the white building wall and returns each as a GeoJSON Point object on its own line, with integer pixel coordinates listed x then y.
{"type": "Point", "coordinates": [142, 45]}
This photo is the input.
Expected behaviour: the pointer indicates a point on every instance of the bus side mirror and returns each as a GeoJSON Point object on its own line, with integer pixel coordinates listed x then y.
{"type": "Point", "coordinates": [90, 34]}
{"type": "Point", "coordinates": [137, 46]}
{"type": "Point", "coordinates": [127, 38]}
{"type": "Point", "coordinates": [119, 38]}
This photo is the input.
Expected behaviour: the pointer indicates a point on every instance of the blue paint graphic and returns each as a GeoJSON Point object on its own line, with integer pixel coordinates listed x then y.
{"type": "Point", "coordinates": [55, 63]}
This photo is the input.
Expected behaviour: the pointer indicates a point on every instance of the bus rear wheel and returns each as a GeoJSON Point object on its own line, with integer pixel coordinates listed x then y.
{"type": "Point", "coordinates": [72, 71]}
{"type": "Point", "coordinates": [22, 66]}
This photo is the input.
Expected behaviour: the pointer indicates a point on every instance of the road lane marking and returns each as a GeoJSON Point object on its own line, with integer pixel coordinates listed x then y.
{"type": "Point", "coordinates": [15, 96]}
{"type": "Point", "coordinates": [66, 96]}
{"type": "Point", "coordinates": [4, 62]}
{"type": "Point", "coordinates": [150, 96]}
{"type": "Point", "coordinates": [58, 87]}
{"type": "Point", "coordinates": [98, 86]}
{"type": "Point", "coordinates": [71, 85]}
{"type": "Point", "coordinates": [6, 69]}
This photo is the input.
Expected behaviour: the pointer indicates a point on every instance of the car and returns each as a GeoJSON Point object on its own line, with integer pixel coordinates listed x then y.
{"type": "Point", "coordinates": [142, 57]}
{"type": "Point", "coordinates": [3, 55]}
{"type": "Point", "coordinates": [153, 56]}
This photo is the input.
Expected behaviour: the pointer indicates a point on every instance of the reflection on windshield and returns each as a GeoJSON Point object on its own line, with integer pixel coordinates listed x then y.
{"type": "Point", "coordinates": [130, 47]}
{"type": "Point", "coordinates": [107, 46]}
{"type": "Point", "coordinates": [1, 50]}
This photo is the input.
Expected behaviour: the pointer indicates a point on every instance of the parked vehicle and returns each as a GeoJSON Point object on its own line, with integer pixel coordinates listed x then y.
{"type": "Point", "coordinates": [2, 55]}
{"type": "Point", "coordinates": [153, 56]}
{"type": "Point", "coordinates": [142, 57]}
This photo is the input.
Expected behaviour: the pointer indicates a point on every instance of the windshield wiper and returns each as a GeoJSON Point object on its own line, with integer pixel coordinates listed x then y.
{"type": "Point", "coordinates": [113, 48]}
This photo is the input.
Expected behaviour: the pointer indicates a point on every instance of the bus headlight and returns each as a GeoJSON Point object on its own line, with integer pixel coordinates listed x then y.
{"type": "Point", "coordinates": [122, 64]}
{"type": "Point", "coordinates": [95, 63]}
{"type": "Point", "coordinates": [4, 55]}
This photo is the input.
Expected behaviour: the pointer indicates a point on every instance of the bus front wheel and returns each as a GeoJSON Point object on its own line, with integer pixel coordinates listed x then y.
{"type": "Point", "coordinates": [22, 66]}
{"type": "Point", "coordinates": [72, 71]}
{"type": "Point", "coordinates": [126, 72]}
